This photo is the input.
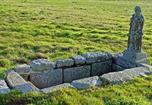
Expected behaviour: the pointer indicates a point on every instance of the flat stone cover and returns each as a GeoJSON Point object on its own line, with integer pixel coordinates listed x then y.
{"type": "Point", "coordinates": [123, 76]}
{"type": "Point", "coordinates": [87, 82]}
{"type": "Point", "coordinates": [3, 87]}
{"type": "Point", "coordinates": [16, 82]}
{"type": "Point", "coordinates": [55, 88]}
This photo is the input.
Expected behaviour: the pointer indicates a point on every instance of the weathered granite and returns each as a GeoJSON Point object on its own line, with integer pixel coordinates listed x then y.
{"type": "Point", "coordinates": [125, 75]}
{"type": "Point", "coordinates": [16, 82]}
{"type": "Point", "coordinates": [146, 66]}
{"type": "Point", "coordinates": [136, 31]}
{"type": "Point", "coordinates": [58, 87]}
{"type": "Point", "coordinates": [47, 79]}
{"type": "Point", "coordinates": [101, 68]}
{"type": "Point", "coordinates": [4, 89]}
{"type": "Point", "coordinates": [117, 67]}
{"type": "Point", "coordinates": [87, 82]}
{"type": "Point", "coordinates": [42, 65]}
{"type": "Point", "coordinates": [64, 63]}
{"type": "Point", "coordinates": [23, 69]}
{"type": "Point", "coordinates": [134, 54]}
{"type": "Point", "coordinates": [92, 57]}
{"type": "Point", "coordinates": [74, 73]}
{"type": "Point", "coordinates": [79, 60]}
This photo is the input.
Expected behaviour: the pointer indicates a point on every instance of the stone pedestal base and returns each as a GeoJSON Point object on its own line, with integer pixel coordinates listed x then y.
{"type": "Point", "coordinates": [130, 59]}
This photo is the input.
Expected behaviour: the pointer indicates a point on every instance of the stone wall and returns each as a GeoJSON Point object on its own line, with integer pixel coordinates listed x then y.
{"type": "Point", "coordinates": [80, 72]}
{"type": "Point", "coordinates": [43, 73]}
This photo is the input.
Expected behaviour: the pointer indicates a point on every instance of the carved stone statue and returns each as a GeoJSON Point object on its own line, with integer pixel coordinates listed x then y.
{"type": "Point", "coordinates": [136, 30]}
{"type": "Point", "coordinates": [133, 55]}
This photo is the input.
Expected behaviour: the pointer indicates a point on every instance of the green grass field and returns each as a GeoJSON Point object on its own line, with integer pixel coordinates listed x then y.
{"type": "Point", "coordinates": [56, 29]}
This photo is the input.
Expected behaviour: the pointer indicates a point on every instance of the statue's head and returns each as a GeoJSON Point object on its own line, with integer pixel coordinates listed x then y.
{"type": "Point", "coordinates": [137, 10]}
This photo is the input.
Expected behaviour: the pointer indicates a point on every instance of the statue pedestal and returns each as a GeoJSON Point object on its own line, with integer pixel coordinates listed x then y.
{"type": "Point", "coordinates": [130, 59]}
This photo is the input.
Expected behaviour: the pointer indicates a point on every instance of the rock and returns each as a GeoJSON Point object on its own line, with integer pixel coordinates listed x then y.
{"type": "Point", "coordinates": [79, 60]}
{"type": "Point", "coordinates": [58, 87]}
{"type": "Point", "coordinates": [92, 57]}
{"type": "Point", "coordinates": [87, 82]}
{"type": "Point", "coordinates": [16, 82]}
{"type": "Point", "coordinates": [23, 69]}
{"type": "Point", "coordinates": [101, 68]}
{"type": "Point", "coordinates": [125, 75]}
{"type": "Point", "coordinates": [64, 63]}
{"type": "Point", "coordinates": [41, 65]}
{"type": "Point", "coordinates": [74, 73]}
{"type": "Point", "coordinates": [47, 79]}
{"type": "Point", "coordinates": [4, 89]}
{"type": "Point", "coordinates": [117, 67]}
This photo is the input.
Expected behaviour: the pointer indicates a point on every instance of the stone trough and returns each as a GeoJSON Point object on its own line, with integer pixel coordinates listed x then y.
{"type": "Point", "coordinates": [80, 72]}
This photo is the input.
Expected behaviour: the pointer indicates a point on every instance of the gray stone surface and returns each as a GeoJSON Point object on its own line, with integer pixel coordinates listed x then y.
{"type": "Point", "coordinates": [134, 54]}
{"type": "Point", "coordinates": [74, 73]}
{"type": "Point", "coordinates": [87, 82]}
{"type": "Point", "coordinates": [64, 63]}
{"type": "Point", "coordinates": [126, 75]}
{"type": "Point", "coordinates": [79, 60]}
{"type": "Point", "coordinates": [16, 82]}
{"type": "Point", "coordinates": [4, 89]}
{"type": "Point", "coordinates": [42, 65]}
{"type": "Point", "coordinates": [136, 31]}
{"type": "Point", "coordinates": [117, 67]}
{"type": "Point", "coordinates": [47, 79]}
{"type": "Point", "coordinates": [101, 68]}
{"type": "Point", "coordinates": [58, 87]}
{"type": "Point", "coordinates": [23, 69]}
{"type": "Point", "coordinates": [92, 57]}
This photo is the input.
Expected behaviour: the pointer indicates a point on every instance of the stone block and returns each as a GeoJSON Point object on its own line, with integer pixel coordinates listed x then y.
{"type": "Point", "coordinates": [16, 82]}
{"type": "Point", "coordinates": [101, 68]}
{"type": "Point", "coordinates": [23, 69]}
{"type": "Point", "coordinates": [64, 63]}
{"type": "Point", "coordinates": [74, 73]}
{"type": "Point", "coordinates": [42, 65]}
{"type": "Point", "coordinates": [125, 75]}
{"type": "Point", "coordinates": [79, 60]}
{"type": "Point", "coordinates": [117, 67]}
{"type": "Point", "coordinates": [92, 57]}
{"type": "Point", "coordinates": [4, 89]}
{"type": "Point", "coordinates": [47, 79]}
{"type": "Point", "coordinates": [87, 82]}
{"type": "Point", "coordinates": [57, 87]}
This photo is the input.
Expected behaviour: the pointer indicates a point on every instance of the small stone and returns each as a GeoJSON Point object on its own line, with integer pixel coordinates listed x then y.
{"type": "Point", "coordinates": [16, 82]}
{"type": "Point", "coordinates": [64, 63]}
{"type": "Point", "coordinates": [87, 82]}
{"type": "Point", "coordinates": [23, 69]}
{"type": "Point", "coordinates": [58, 87]}
{"type": "Point", "coordinates": [41, 65]}
{"type": "Point", "coordinates": [4, 89]}
{"type": "Point", "coordinates": [79, 60]}
{"type": "Point", "coordinates": [92, 57]}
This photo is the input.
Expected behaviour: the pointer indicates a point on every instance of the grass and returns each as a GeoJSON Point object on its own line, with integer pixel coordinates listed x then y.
{"type": "Point", "coordinates": [55, 29]}
{"type": "Point", "coordinates": [137, 92]}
